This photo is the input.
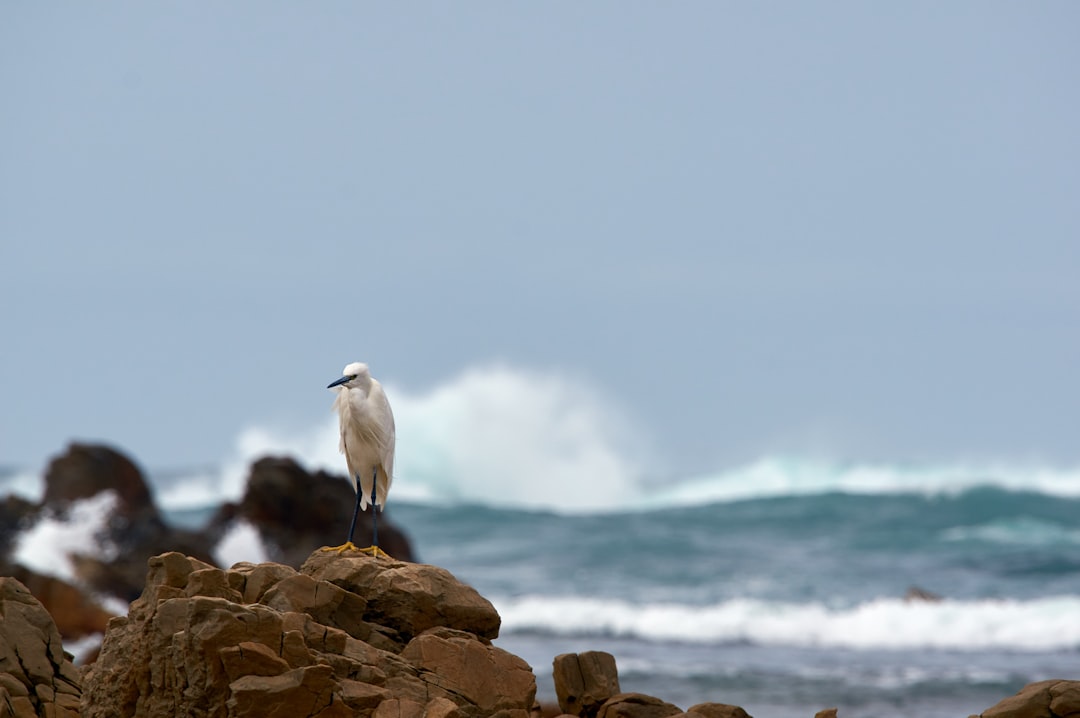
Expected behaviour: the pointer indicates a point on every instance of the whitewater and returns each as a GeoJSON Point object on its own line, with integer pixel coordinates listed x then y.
{"type": "Point", "coordinates": [779, 585]}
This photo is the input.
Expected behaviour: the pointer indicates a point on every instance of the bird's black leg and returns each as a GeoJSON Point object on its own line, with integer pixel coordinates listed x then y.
{"type": "Point", "coordinates": [374, 511]}
{"type": "Point", "coordinates": [355, 513]}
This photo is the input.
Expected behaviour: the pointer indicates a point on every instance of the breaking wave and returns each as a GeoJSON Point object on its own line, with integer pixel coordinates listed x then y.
{"type": "Point", "coordinates": [1041, 624]}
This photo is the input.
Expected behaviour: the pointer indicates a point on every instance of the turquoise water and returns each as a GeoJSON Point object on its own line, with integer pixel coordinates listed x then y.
{"type": "Point", "coordinates": [786, 605]}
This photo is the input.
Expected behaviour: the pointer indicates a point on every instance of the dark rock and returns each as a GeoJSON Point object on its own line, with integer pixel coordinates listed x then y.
{"type": "Point", "coordinates": [296, 512]}
{"type": "Point", "coordinates": [16, 515]}
{"type": "Point", "coordinates": [133, 530]}
{"type": "Point", "coordinates": [86, 470]}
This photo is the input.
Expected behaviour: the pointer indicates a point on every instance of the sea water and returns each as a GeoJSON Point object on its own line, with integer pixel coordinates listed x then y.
{"type": "Point", "coordinates": [786, 605]}
{"type": "Point", "coordinates": [783, 604]}
{"type": "Point", "coordinates": [778, 585]}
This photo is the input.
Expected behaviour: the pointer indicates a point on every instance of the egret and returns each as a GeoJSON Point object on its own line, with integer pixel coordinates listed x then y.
{"type": "Point", "coordinates": [367, 440]}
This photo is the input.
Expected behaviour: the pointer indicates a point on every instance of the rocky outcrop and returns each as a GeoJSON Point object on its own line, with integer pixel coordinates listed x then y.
{"type": "Point", "coordinates": [1045, 699]}
{"type": "Point", "coordinates": [587, 686]}
{"type": "Point", "coordinates": [132, 530]}
{"type": "Point", "coordinates": [584, 681]}
{"type": "Point", "coordinates": [636, 705]}
{"type": "Point", "coordinates": [346, 635]}
{"type": "Point", "coordinates": [16, 514]}
{"type": "Point", "coordinates": [723, 710]}
{"type": "Point", "coordinates": [76, 614]}
{"type": "Point", "coordinates": [36, 678]}
{"type": "Point", "coordinates": [296, 512]}
{"type": "Point", "coordinates": [85, 470]}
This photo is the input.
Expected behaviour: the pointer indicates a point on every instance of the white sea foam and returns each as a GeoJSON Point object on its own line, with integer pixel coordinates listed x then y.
{"type": "Point", "coordinates": [497, 436]}
{"type": "Point", "coordinates": [1038, 624]}
{"type": "Point", "coordinates": [505, 436]}
{"type": "Point", "coordinates": [241, 543]}
{"type": "Point", "coordinates": [47, 546]}
{"type": "Point", "coordinates": [772, 477]}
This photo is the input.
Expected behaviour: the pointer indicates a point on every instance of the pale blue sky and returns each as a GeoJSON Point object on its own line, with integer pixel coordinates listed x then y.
{"type": "Point", "coordinates": [847, 228]}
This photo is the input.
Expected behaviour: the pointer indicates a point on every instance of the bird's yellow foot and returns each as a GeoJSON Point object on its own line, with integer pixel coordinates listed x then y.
{"type": "Point", "coordinates": [347, 546]}
{"type": "Point", "coordinates": [373, 551]}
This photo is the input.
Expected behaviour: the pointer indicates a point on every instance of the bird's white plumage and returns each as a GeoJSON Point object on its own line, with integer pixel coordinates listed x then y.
{"type": "Point", "coordinates": [367, 432]}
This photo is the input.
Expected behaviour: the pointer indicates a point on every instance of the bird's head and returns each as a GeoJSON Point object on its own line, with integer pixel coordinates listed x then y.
{"type": "Point", "coordinates": [355, 374]}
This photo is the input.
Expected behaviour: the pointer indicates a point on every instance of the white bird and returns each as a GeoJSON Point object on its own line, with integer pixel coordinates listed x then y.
{"type": "Point", "coordinates": [367, 440]}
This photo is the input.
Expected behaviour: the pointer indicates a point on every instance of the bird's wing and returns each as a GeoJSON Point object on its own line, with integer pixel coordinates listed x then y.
{"type": "Point", "coordinates": [386, 433]}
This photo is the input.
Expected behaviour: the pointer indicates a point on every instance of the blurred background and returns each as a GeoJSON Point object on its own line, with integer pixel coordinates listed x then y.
{"type": "Point", "coordinates": [706, 257]}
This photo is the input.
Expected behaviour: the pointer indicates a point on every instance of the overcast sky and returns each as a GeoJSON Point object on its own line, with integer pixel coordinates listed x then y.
{"type": "Point", "coordinates": [847, 228]}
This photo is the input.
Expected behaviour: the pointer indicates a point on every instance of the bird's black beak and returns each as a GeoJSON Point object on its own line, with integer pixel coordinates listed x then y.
{"type": "Point", "coordinates": [342, 380]}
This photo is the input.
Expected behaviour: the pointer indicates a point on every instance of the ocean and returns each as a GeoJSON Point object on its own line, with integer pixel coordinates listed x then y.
{"type": "Point", "coordinates": [778, 585]}
{"type": "Point", "coordinates": [787, 604]}
{"type": "Point", "coordinates": [782, 595]}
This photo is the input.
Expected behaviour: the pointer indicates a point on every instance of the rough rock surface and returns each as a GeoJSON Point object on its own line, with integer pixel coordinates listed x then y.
{"type": "Point", "coordinates": [296, 512]}
{"type": "Point", "coordinates": [347, 635]}
{"type": "Point", "coordinates": [1045, 699]}
{"type": "Point", "coordinates": [583, 681]}
{"type": "Point", "coordinates": [636, 705]}
{"type": "Point", "coordinates": [76, 614]}
{"type": "Point", "coordinates": [36, 678]}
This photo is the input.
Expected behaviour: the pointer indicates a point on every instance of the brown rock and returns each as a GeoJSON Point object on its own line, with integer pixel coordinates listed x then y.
{"type": "Point", "coordinates": [36, 678]}
{"type": "Point", "coordinates": [258, 577]}
{"type": "Point", "coordinates": [399, 708]}
{"type": "Point", "coordinates": [486, 676]}
{"type": "Point", "coordinates": [826, 713]}
{"type": "Point", "coordinates": [305, 691]}
{"type": "Point", "coordinates": [406, 597]}
{"type": "Point", "coordinates": [636, 705]}
{"type": "Point", "coordinates": [76, 614]}
{"type": "Point", "coordinates": [583, 681]}
{"type": "Point", "coordinates": [328, 604]}
{"type": "Point", "coordinates": [722, 710]}
{"type": "Point", "coordinates": [1065, 699]}
{"type": "Point", "coordinates": [442, 708]}
{"type": "Point", "coordinates": [296, 512]}
{"type": "Point", "coordinates": [193, 644]}
{"type": "Point", "coordinates": [1046, 699]}
{"type": "Point", "coordinates": [364, 697]}
{"type": "Point", "coordinates": [251, 659]}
